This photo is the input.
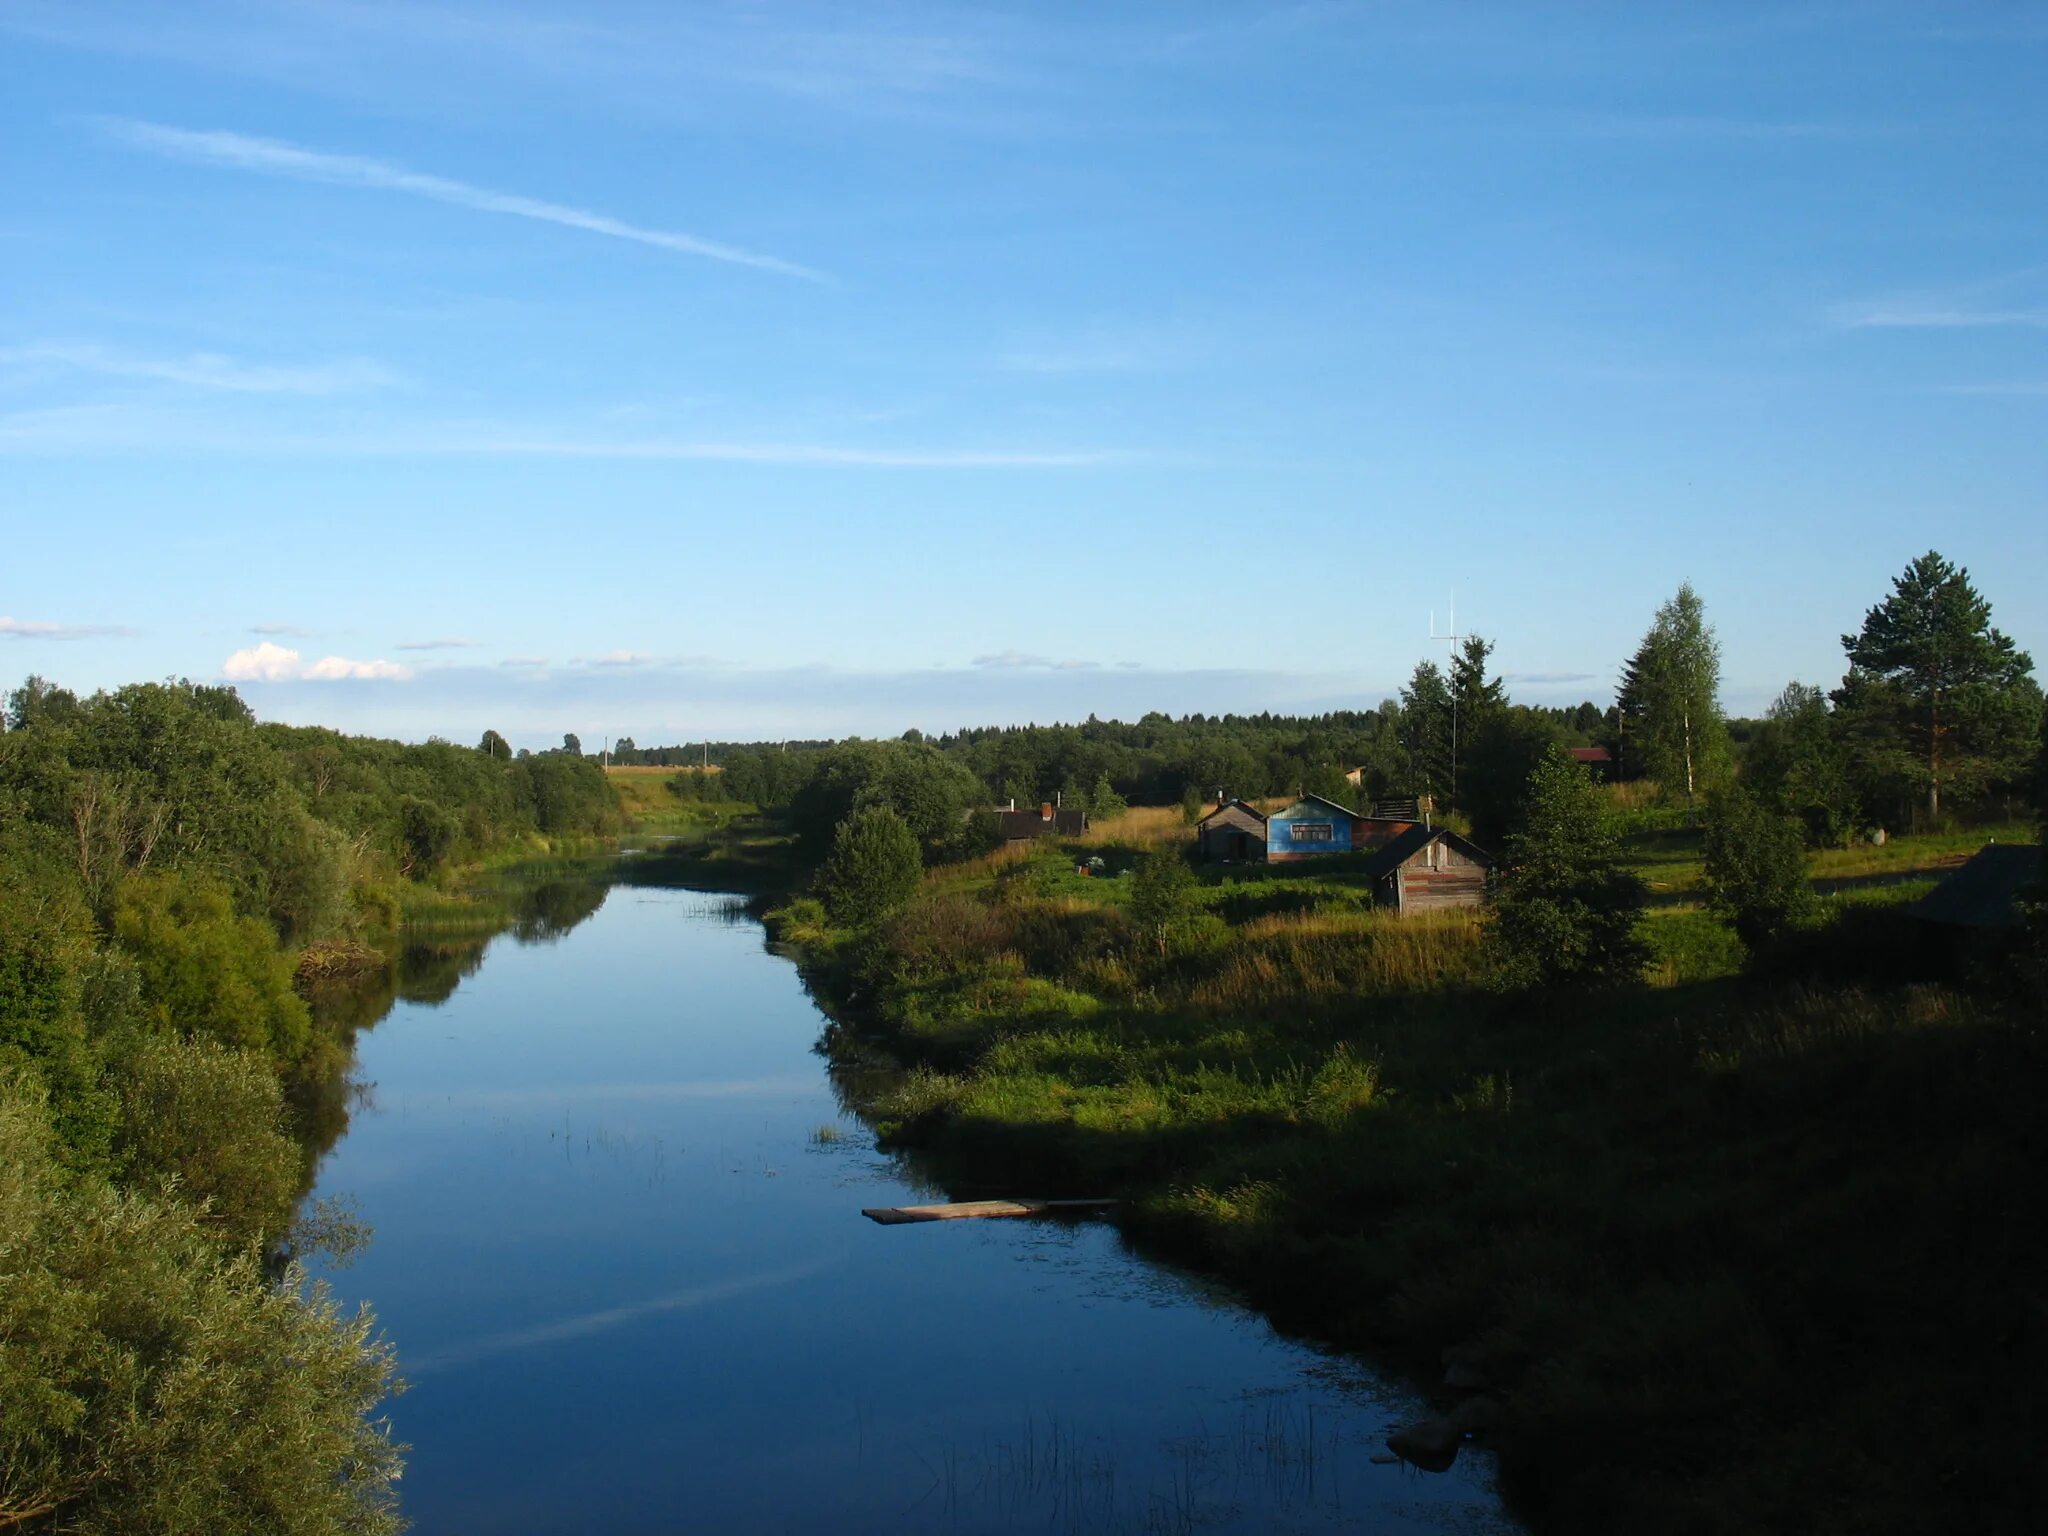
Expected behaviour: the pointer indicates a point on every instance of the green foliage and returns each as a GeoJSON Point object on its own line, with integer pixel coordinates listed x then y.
{"type": "Point", "coordinates": [1671, 704]}
{"type": "Point", "coordinates": [1936, 700]}
{"type": "Point", "coordinates": [426, 836]}
{"type": "Point", "coordinates": [1162, 891]}
{"type": "Point", "coordinates": [1755, 866]}
{"type": "Point", "coordinates": [1500, 758]}
{"type": "Point", "coordinates": [1426, 729]}
{"type": "Point", "coordinates": [874, 868]}
{"type": "Point", "coordinates": [1103, 800]}
{"type": "Point", "coordinates": [151, 1385]}
{"type": "Point", "coordinates": [205, 1124]}
{"type": "Point", "coordinates": [930, 792]}
{"type": "Point", "coordinates": [1567, 907]}
{"type": "Point", "coordinates": [208, 972]}
{"type": "Point", "coordinates": [1798, 764]}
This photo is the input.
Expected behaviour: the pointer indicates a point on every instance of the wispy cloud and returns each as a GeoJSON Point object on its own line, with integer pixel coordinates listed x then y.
{"type": "Point", "coordinates": [275, 157]}
{"type": "Point", "coordinates": [281, 631]}
{"type": "Point", "coordinates": [616, 659]}
{"type": "Point", "coordinates": [1549, 677]}
{"type": "Point", "coordinates": [583, 1324]}
{"type": "Point", "coordinates": [524, 663]}
{"type": "Point", "coordinates": [266, 662]}
{"type": "Point", "coordinates": [32, 629]}
{"type": "Point", "coordinates": [433, 645]}
{"type": "Point", "coordinates": [207, 370]}
{"type": "Point", "coordinates": [115, 427]}
{"type": "Point", "coordinates": [1895, 316]}
{"type": "Point", "coordinates": [1010, 661]}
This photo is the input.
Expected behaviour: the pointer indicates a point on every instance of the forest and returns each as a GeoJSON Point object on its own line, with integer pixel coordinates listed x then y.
{"type": "Point", "coordinates": [179, 881]}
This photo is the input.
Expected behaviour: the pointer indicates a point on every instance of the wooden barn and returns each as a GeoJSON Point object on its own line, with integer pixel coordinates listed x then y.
{"type": "Point", "coordinates": [1233, 832]}
{"type": "Point", "coordinates": [1429, 869]}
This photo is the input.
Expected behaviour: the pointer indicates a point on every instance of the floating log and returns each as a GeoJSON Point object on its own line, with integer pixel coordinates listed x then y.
{"type": "Point", "coordinates": [895, 1215]}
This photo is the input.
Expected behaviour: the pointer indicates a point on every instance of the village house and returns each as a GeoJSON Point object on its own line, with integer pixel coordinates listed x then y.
{"type": "Point", "coordinates": [1414, 867]}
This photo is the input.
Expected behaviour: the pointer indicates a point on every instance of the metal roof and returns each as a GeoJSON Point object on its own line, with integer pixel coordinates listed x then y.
{"type": "Point", "coordinates": [1391, 856]}
{"type": "Point", "coordinates": [1985, 892]}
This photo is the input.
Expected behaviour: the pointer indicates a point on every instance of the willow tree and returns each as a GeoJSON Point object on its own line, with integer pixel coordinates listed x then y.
{"type": "Point", "coordinates": [1670, 699]}
{"type": "Point", "coordinates": [1935, 697]}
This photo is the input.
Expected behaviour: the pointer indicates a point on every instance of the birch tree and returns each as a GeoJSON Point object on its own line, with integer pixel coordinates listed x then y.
{"type": "Point", "coordinates": [1671, 699]}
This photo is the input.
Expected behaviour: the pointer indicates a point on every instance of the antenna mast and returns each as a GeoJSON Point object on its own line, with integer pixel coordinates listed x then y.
{"type": "Point", "coordinates": [1453, 637]}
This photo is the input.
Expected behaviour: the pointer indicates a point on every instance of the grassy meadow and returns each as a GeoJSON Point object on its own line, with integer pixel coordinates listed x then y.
{"type": "Point", "coordinates": [1732, 1251]}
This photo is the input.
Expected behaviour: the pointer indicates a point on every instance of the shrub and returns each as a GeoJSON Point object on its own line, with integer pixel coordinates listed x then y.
{"type": "Point", "coordinates": [1755, 867]}
{"type": "Point", "coordinates": [874, 869]}
{"type": "Point", "coordinates": [1567, 908]}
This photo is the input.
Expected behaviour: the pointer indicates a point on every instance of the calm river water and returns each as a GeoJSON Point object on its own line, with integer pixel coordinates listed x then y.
{"type": "Point", "coordinates": [630, 1284]}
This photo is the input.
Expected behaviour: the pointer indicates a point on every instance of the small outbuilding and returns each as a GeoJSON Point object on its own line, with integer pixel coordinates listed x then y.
{"type": "Point", "coordinates": [1430, 869]}
{"type": "Point", "coordinates": [1985, 893]}
{"type": "Point", "coordinates": [1233, 832]}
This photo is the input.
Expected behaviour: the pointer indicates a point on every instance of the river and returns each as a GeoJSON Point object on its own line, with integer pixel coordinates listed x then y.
{"type": "Point", "coordinates": [618, 1245]}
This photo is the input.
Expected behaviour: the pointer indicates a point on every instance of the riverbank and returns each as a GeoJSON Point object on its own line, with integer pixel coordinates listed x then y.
{"type": "Point", "coordinates": [1726, 1254]}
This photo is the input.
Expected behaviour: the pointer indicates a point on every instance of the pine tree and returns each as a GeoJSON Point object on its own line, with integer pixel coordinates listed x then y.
{"type": "Point", "coordinates": [1937, 698]}
{"type": "Point", "coordinates": [1567, 907]}
{"type": "Point", "coordinates": [1426, 729]}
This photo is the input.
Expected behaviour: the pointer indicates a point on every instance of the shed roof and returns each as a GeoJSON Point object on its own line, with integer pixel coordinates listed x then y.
{"type": "Point", "coordinates": [1985, 892]}
{"type": "Point", "coordinates": [1403, 848]}
{"type": "Point", "coordinates": [1231, 805]}
{"type": "Point", "coordinates": [1590, 754]}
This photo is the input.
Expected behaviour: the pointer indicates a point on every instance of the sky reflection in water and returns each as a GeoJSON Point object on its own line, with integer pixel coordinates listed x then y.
{"type": "Point", "coordinates": [634, 1293]}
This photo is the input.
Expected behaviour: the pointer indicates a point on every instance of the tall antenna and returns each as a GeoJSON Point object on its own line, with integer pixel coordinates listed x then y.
{"type": "Point", "coordinates": [1454, 638]}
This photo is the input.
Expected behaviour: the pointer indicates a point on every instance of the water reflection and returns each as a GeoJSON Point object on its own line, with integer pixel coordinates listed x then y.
{"type": "Point", "coordinates": [616, 1200]}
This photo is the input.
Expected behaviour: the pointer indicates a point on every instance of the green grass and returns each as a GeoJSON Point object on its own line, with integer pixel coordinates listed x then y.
{"type": "Point", "coordinates": [1742, 1252]}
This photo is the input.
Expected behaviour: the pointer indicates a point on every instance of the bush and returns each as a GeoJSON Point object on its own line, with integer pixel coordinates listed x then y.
{"type": "Point", "coordinates": [874, 869]}
{"type": "Point", "coordinates": [1567, 907]}
{"type": "Point", "coordinates": [1755, 867]}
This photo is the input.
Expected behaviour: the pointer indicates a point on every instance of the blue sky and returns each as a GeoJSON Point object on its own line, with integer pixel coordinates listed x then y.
{"type": "Point", "coordinates": [764, 369]}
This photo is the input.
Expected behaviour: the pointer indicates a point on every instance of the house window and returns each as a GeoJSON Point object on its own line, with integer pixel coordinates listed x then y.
{"type": "Point", "coordinates": [1311, 831]}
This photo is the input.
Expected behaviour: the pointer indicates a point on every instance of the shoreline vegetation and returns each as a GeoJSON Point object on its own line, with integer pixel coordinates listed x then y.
{"type": "Point", "coordinates": [199, 913]}
{"type": "Point", "coordinates": [1726, 1251]}
{"type": "Point", "coordinates": [1692, 1166]}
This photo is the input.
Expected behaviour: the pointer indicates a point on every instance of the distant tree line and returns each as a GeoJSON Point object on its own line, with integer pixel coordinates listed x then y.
{"type": "Point", "coordinates": [1937, 707]}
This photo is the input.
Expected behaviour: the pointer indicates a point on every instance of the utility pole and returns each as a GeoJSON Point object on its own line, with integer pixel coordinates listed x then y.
{"type": "Point", "coordinates": [1453, 637]}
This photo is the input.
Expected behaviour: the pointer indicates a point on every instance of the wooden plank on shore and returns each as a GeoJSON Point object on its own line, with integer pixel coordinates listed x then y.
{"type": "Point", "coordinates": [896, 1215]}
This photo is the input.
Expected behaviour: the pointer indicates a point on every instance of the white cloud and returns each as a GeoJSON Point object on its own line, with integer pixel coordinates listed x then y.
{"type": "Point", "coordinates": [434, 645]}
{"type": "Point", "coordinates": [32, 629]}
{"type": "Point", "coordinates": [274, 157]}
{"type": "Point", "coordinates": [1011, 661]}
{"type": "Point", "coordinates": [267, 662]}
{"type": "Point", "coordinates": [617, 659]}
{"type": "Point", "coordinates": [208, 370]}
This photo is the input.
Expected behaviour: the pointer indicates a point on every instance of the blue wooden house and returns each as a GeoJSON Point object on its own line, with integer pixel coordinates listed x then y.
{"type": "Point", "coordinates": [1310, 827]}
